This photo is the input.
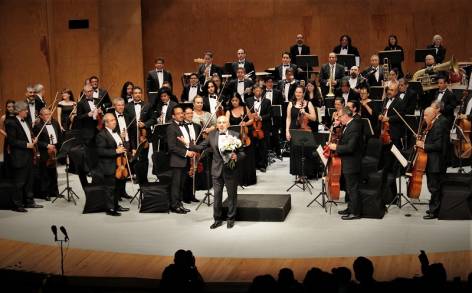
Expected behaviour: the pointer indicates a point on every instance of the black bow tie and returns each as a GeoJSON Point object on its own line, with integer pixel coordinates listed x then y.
{"type": "Point", "coordinates": [189, 123]}
{"type": "Point", "coordinates": [240, 81]}
{"type": "Point", "coordinates": [241, 62]}
{"type": "Point", "coordinates": [165, 104]}
{"type": "Point", "coordinates": [31, 103]}
{"type": "Point", "coordinates": [181, 123]}
{"type": "Point", "coordinates": [222, 133]}
{"type": "Point", "coordinates": [137, 103]}
{"type": "Point", "coordinates": [194, 86]}
{"type": "Point", "coordinates": [120, 115]}
{"type": "Point", "coordinates": [212, 97]}
{"type": "Point", "coordinates": [441, 92]}
{"type": "Point", "coordinates": [343, 48]}
{"type": "Point", "coordinates": [49, 123]}
{"type": "Point", "coordinates": [22, 120]}
{"type": "Point", "coordinates": [285, 65]}
{"type": "Point", "coordinates": [268, 91]}
{"type": "Point", "coordinates": [159, 71]}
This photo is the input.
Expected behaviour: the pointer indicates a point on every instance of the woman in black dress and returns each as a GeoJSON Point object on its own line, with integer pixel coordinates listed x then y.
{"type": "Point", "coordinates": [9, 114]}
{"type": "Point", "coordinates": [127, 92]}
{"type": "Point", "coordinates": [238, 114]}
{"type": "Point", "coordinates": [393, 45]}
{"type": "Point", "coordinates": [368, 110]}
{"type": "Point", "coordinates": [65, 108]}
{"type": "Point", "coordinates": [297, 107]}
{"type": "Point", "coordinates": [313, 95]}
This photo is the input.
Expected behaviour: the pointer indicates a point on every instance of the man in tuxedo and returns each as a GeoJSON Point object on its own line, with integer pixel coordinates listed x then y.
{"type": "Point", "coordinates": [207, 69]}
{"type": "Point", "coordinates": [355, 80]}
{"type": "Point", "coordinates": [34, 105]}
{"type": "Point", "coordinates": [156, 78]}
{"type": "Point", "coordinates": [262, 110]}
{"type": "Point", "coordinates": [275, 97]}
{"type": "Point", "coordinates": [346, 92]}
{"type": "Point", "coordinates": [331, 70]}
{"type": "Point", "coordinates": [435, 145]}
{"type": "Point", "coordinates": [288, 85]}
{"type": "Point", "coordinates": [240, 85]}
{"type": "Point", "coordinates": [21, 143]}
{"type": "Point", "coordinates": [350, 150]}
{"type": "Point", "coordinates": [408, 96]}
{"type": "Point", "coordinates": [345, 47]}
{"type": "Point", "coordinates": [178, 141]}
{"type": "Point", "coordinates": [192, 90]}
{"type": "Point", "coordinates": [142, 117]}
{"type": "Point", "coordinates": [447, 100]}
{"type": "Point", "coordinates": [109, 147]}
{"type": "Point", "coordinates": [100, 96]}
{"type": "Point", "coordinates": [49, 140]}
{"type": "Point", "coordinates": [122, 122]}
{"type": "Point", "coordinates": [440, 51]}
{"type": "Point", "coordinates": [221, 173]}
{"type": "Point", "coordinates": [374, 73]}
{"type": "Point", "coordinates": [243, 63]}
{"type": "Point", "coordinates": [299, 48]}
{"type": "Point", "coordinates": [193, 130]}
{"type": "Point", "coordinates": [164, 106]}
{"type": "Point", "coordinates": [281, 70]}
{"type": "Point", "coordinates": [39, 96]}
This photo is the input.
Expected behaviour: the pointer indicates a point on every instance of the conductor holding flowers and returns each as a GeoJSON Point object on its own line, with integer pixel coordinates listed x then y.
{"type": "Point", "coordinates": [227, 151]}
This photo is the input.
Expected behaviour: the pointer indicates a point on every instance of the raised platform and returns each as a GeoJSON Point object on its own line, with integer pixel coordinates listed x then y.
{"type": "Point", "coordinates": [262, 207]}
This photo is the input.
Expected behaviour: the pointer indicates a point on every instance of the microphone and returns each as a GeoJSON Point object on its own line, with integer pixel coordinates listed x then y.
{"type": "Point", "coordinates": [54, 231]}
{"type": "Point", "coordinates": [64, 231]}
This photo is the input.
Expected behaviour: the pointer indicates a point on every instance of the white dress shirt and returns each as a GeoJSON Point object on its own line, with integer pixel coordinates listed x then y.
{"type": "Point", "coordinates": [32, 112]}
{"type": "Point", "coordinates": [343, 51]}
{"type": "Point", "coordinates": [299, 49]}
{"type": "Point", "coordinates": [240, 89]}
{"type": "Point", "coordinates": [353, 82]}
{"type": "Point", "coordinates": [122, 124]}
{"type": "Point", "coordinates": [137, 111]}
{"type": "Point", "coordinates": [284, 67]}
{"type": "Point", "coordinates": [95, 94]}
{"type": "Point", "coordinates": [51, 134]}
{"type": "Point", "coordinates": [468, 107]}
{"type": "Point", "coordinates": [377, 73]}
{"type": "Point", "coordinates": [213, 103]}
{"type": "Point", "coordinates": [192, 92]}
{"type": "Point", "coordinates": [440, 95]}
{"type": "Point", "coordinates": [92, 108]}
{"type": "Point", "coordinates": [116, 137]}
{"type": "Point", "coordinates": [402, 95]}
{"type": "Point", "coordinates": [160, 77]}
{"type": "Point", "coordinates": [268, 95]}
{"type": "Point", "coordinates": [26, 128]}
{"type": "Point", "coordinates": [257, 105]}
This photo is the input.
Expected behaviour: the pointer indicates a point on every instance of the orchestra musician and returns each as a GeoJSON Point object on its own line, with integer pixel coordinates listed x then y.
{"type": "Point", "coordinates": [242, 63]}
{"type": "Point", "coordinates": [281, 69]}
{"type": "Point", "coordinates": [447, 99]}
{"type": "Point", "coordinates": [190, 91]}
{"type": "Point", "coordinates": [261, 111]}
{"type": "Point", "coordinates": [193, 130]}
{"type": "Point", "coordinates": [49, 143]}
{"type": "Point", "coordinates": [374, 73]}
{"type": "Point", "coordinates": [350, 148]}
{"type": "Point", "coordinates": [393, 46]}
{"type": "Point", "coordinates": [367, 109]}
{"type": "Point", "coordinates": [39, 96]}
{"type": "Point", "coordinates": [241, 85]}
{"type": "Point", "coordinates": [355, 79]}
{"type": "Point", "coordinates": [156, 78]}
{"type": "Point", "coordinates": [275, 97]}
{"type": "Point", "coordinates": [331, 71]}
{"type": "Point", "coordinates": [21, 143]}
{"type": "Point", "coordinates": [435, 145]}
{"type": "Point", "coordinates": [9, 115]}
{"type": "Point", "coordinates": [108, 147]}
{"type": "Point", "coordinates": [65, 107]}
{"type": "Point", "coordinates": [408, 96]}
{"type": "Point", "coordinates": [207, 69]}
{"type": "Point", "coordinates": [299, 48]}
{"type": "Point", "coordinates": [345, 47]}
{"type": "Point", "coordinates": [164, 106]}
{"type": "Point", "coordinates": [314, 96]}
{"type": "Point", "coordinates": [122, 122]}
{"type": "Point", "coordinates": [34, 105]}
{"type": "Point", "coordinates": [100, 95]}
{"type": "Point", "coordinates": [221, 174]}
{"type": "Point", "coordinates": [167, 86]}
{"type": "Point", "coordinates": [440, 51]}
{"type": "Point", "coordinates": [210, 100]}
{"type": "Point", "coordinates": [127, 92]}
{"type": "Point", "coordinates": [346, 92]}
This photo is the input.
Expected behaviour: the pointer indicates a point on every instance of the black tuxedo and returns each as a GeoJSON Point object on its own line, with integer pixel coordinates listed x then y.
{"type": "Point", "coordinates": [232, 87]}
{"type": "Point", "coordinates": [350, 50]}
{"type": "Point", "coordinates": [448, 103]}
{"type": "Point", "coordinates": [184, 97]}
{"type": "Point", "coordinates": [86, 124]}
{"type": "Point", "coordinates": [325, 73]}
{"type": "Point", "coordinates": [464, 107]}
{"type": "Point", "coordinates": [369, 73]}
{"type": "Point", "coordinates": [214, 69]}
{"type": "Point", "coordinates": [359, 82]}
{"type": "Point", "coordinates": [435, 146]}
{"type": "Point", "coordinates": [170, 107]}
{"type": "Point", "coordinates": [206, 103]}
{"type": "Point", "coordinates": [103, 101]}
{"type": "Point", "coordinates": [38, 105]}
{"type": "Point", "coordinates": [277, 99]}
{"type": "Point", "coordinates": [409, 101]}
{"type": "Point", "coordinates": [266, 116]}
{"type": "Point", "coordinates": [397, 127]}
{"type": "Point", "coordinates": [278, 71]}
{"type": "Point", "coordinates": [291, 91]}
{"type": "Point", "coordinates": [188, 182]}
{"type": "Point", "coordinates": [294, 51]}
{"type": "Point", "coordinates": [21, 161]}
{"type": "Point", "coordinates": [439, 55]}
{"type": "Point", "coordinates": [152, 83]}
{"type": "Point", "coordinates": [248, 67]}
{"type": "Point", "coordinates": [350, 148]}
{"type": "Point", "coordinates": [222, 175]}
{"type": "Point", "coordinates": [352, 95]}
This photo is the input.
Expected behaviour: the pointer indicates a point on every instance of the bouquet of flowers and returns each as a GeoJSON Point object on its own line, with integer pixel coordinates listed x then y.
{"type": "Point", "coordinates": [231, 144]}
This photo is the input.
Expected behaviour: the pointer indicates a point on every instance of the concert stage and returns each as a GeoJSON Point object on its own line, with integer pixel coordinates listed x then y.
{"type": "Point", "coordinates": [140, 245]}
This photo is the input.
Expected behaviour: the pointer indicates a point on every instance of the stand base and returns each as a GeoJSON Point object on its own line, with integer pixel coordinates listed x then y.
{"type": "Point", "coordinates": [140, 198]}
{"type": "Point", "coordinates": [205, 200]}
{"type": "Point", "coordinates": [324, 199]}
{"type": "Point", "coordinates": [305, 184]}
{"type": "Point", "coordinates": [71, 195]}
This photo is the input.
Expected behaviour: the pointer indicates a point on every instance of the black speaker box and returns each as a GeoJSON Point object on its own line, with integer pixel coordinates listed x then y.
{"type": "Point", "coordinates": [456, 197]}
{"type": "Point", "coordinates": [155, 198]}
{"type": "Point", "coordinates": [95, 199]}
{"type": "Point", "coordinates": [372, 204]}
{"type": "Point", "coordinates": [7, 188]}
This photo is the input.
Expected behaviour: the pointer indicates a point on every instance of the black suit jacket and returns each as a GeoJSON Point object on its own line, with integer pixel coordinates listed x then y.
{"type": "Point", "coordinates": [103, 100]}
{"type": "Point", "coordinates": [449, 103]}
{"type": "Point", "coordinates": [265, 113]}
{"type": "Point", "coordinates": [248, 67]}
{"type": "Point", "coordinates": [214, 69]}
{"type": "Point", "coordinates": [350, 148]}
{"type": "Point", "coordinates": [86, 124]}
{"type": "Point", "coordinates": [106, 151]}
{"type": "Point", "coordinates": [353, 95]}
{"type": "Point", "coordinates": [177, 149]}
{"type": "Point", "coordinates": [396, 124]}
{"type": "Point", "coordinates": [20, 155]}
{"type": "Point", "coordinates": [436, 147]}
{"type": "Point", "coordinates": [277, 98]}
{"type": "Point", "coordinates": [278, 71]}
{"type": "Point", "coordinates": [291, 90]}
{"type": "Point", "coordinates": [152, 82]}
{"type": "Point", "coordinates": [38, 105]}
{"type": "Point", "coordinates": [44, 140]}
{"type": "Point", "coordinates": [409, 101]}
{"type": "Point", "coordinates": [130, 143]}
{"type": "Point", "coordinates": [217, 167]}
{"type": "Point", "coordinates": [440, 55]}
{"type": "Point", "coordinates": [350, 50]}
{"type": "Point", "coordinates": [232, 87]}
{"type": "Point", "coordinates": [170, 107]}
{"type": "Point", "coordinates": [324, 75]}
{"type": "Point", "coordinates": [206, 103]}
{"type": "Point", "coordinates": [185, 92]}
{"type": "Point", "coordinates": [369, 73]}
{"type": "Point", "coordinates": [294, 52]}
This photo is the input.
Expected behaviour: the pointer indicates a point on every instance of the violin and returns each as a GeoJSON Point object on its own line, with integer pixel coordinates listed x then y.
{"type": "Point", "coordinates": [122, 167]}
{"type": "Point", "coordinates": [143, 138]}
{"type": "Point", "coordinates": [333, 173]}
{"type": "Point", "coordinates": [302, 120]}
{"type": "Point", "coordinates": [258, 132]}
{"type": "Point", "coordinates": [51, 162]}
{"type": "Point", "coordinates": [244, 135]}
{"type": "Point", "coordinates": [462, 128]}
{"type": "Point", "coordinates": [385, 131]}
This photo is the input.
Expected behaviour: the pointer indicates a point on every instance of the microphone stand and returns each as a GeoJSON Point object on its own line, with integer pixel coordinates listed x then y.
{"type": "Point", "coordinates": [61, 241]}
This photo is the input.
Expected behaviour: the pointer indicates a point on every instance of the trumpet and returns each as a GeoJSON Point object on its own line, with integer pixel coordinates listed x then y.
{"type": "Point", "coordinates": [386, 70]}
{"type": "Point", "coordinates": [330, 81]}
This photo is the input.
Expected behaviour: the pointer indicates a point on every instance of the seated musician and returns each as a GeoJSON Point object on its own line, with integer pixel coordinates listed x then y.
{"type": "Point", "coordinates": [435, 145]}
{"type": "Point", "coordinates": [447, 99]}
{"type": "Point", "coordinates": [49, 142]}
{"type": "Point", "coordinates": [355, 79]}
{"type": "Point", "coordinates": [123, 121]}
{"type": "Point", "coordinates": [346, 92]}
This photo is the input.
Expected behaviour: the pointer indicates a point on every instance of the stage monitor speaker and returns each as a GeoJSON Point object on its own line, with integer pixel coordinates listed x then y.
{"type": "Point", "coordinates": [456, 197]}
{"type": "Point", "coordinates": [95, 199]}
{"type": "Point", "coordinates": [372, 203]}
{"type": "Point", "coordinates": [7, 189]}
{"type": "Point", "coordinates": [155, 198]}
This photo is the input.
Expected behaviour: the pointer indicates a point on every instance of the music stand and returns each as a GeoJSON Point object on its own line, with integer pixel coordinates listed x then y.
{"type": "Point", "coordinates": [329, 102]}
{"type": "Point", "coordinates": [303, 139]}
{"type": "Point", "coordinates": [393, 56]}
{"type": "Point", "coordinates": [228, 68]}
{"type": "Point", "coordinates": [420, 54]}
{"type": "Point", "coordinates": [64, 152]}
{"type": "Point", "coordinates": [307, 62]}
{"type": "Point", "coordinates": [376, 92]}
{"type": "Point", "coordinates": [367, 127]}
{"type": "Point", "coordinates": [347, 60]}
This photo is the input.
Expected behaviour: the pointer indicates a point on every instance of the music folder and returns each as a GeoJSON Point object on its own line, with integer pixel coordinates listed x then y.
{"type": "Point", "coordinates": [304, 61]}
{"type": "Point", "coordinates": [347, 60]}
{"type": "Point", "coordinates": [420, 54]}
{"type": "Point", "coordinates": [393, 56]}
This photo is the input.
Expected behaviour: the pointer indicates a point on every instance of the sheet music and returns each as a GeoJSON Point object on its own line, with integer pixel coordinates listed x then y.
{"type": "Point", "coordinates": [399, 156]}
{"type": "Point", "coordinates": [319, 150]}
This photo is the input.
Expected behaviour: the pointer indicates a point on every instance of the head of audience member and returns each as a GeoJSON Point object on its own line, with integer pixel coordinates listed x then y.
{"type": "Point", "coordinates": [363, 270]}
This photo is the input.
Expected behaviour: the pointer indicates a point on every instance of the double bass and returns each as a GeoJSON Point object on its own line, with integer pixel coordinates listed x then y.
{"type": "Point", "coordinates": [333, 176]}
{"type": "Point", "coordinates": [418, 165]}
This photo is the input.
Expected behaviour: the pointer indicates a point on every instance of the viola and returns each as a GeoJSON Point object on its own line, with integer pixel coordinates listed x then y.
{"type": "Point", "coordinates": [463, 146]}
{"type": "Point", "coordinates": [122, 167]}
{"type": "Point", "coordinates": [51, 162]}
{"type": "Point", "coordinates": [244, 136]}
{"type": "Point", "coordinates": [143, 138]}
{"type": "Point", "coordinates": [258, 132]}
{"type": "Point", "coordinates": [385, 133]}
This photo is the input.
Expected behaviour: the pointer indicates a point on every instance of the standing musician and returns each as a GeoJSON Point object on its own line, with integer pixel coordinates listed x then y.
{"type": "Point", "coordinates": [100, 95]}
{"type": "Point", "coordinates": [408, 96]}
{"type": "Point", "coordinates": [435, 145]}
{"type": "Point", "coordinates": [190, 91]}
{"type": "Point", "coordinates": [201, 117]}
{"type": "Point", "coordinates": [211, 100]}
{"type": "Point", "coordinates": [331, 71]}
{"type": "Point", "coordinates": [193, 130]}
{"type": "Point", "coordinates": [281, 70]}
{"type": "Point", "coordinates": [393, 45]}
{"type": "Point", "coordinates": [9, 115]}
{"type": "Point", "coordinates": [367, 109]}
{"type": "Point", "coordinates": [350, 149]}
{"type": "Point", "coordinates": [109, 146]}
{"type": "Point", "coordinates": [347, 92]}
{"type": "Point", "coordinates": [345, 47]}
{"type": "Point", "coordinates": [221, 174]}
{"type": "Point", "coordinates": [121, 128]}
{"type": "Point", "coordinates": [21, 142]}
{"type": "Point", "coordinates": [440, 51]}
{"type": "Point", "coordinates": [156, 78]}
{"type": "Point", "coordinates": [164, 106]}
{"type": "Point", "coordinates": [262, 118]}
{"type": "Point", "coordinates": [374, 73]}
{"type": "Point", "coordinates": [243, 63]}
{"type": "Point", "coordinates": [49, 142]}
{"type": "Point", "coordinates": [179, 153]}
{"type": "Point", "coordinates": [241, 85]}
{"type": "Point", "coordinates": [447, 100]}
{"type": "Point", "coordinates": [299, 48]}
{"type": "Point", "coordinates": [275, 97]}
{"type": "Point", "coordinates": [34, 105]}
{"type": "Point", "coordinates": [39, 96]}
{"type": "Point", "coordinates": [207, 69]}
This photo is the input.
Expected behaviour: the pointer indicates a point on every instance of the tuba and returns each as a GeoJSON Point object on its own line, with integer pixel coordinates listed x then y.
{"type": "Point", "coordinates": [428, 76]}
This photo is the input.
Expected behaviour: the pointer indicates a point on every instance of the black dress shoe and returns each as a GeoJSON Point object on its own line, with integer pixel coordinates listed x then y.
{"type": "Point", "coordinates": [195, 200]}
{"type": "Point", "coordinates": [20, 210]}
{"type": "Point", "coordinates": [187, 201]}
{"type": "Point", "coordinates": [47, 198]}
{"type": "Point", "coordinates": [122, 209]}
{"type": "Point", "coordinates": [263, 170]}
{"type": "Point", "coordinates": [34, 206]}
{"type": "Point", "coordinates": [113, 213]}
{"type": "Point", "coordinates": [350, 217]}
{"type": "Point", "coordinates": [184, 209]}
{"type": "Point", "coordinates": [216, 224]}
{"type": "Point", "coordinates": [178, 210]}
{"type": "Point", "coordinates": [428, 212]}
{"type": "Point", "coordinates": [430, 216]}
{"type": "Point", "coordinates": [344, 212]}
{"type": "Point", "coordinates": [127, 196]}
{"type": "Point", "coordinates": [230, 224]}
